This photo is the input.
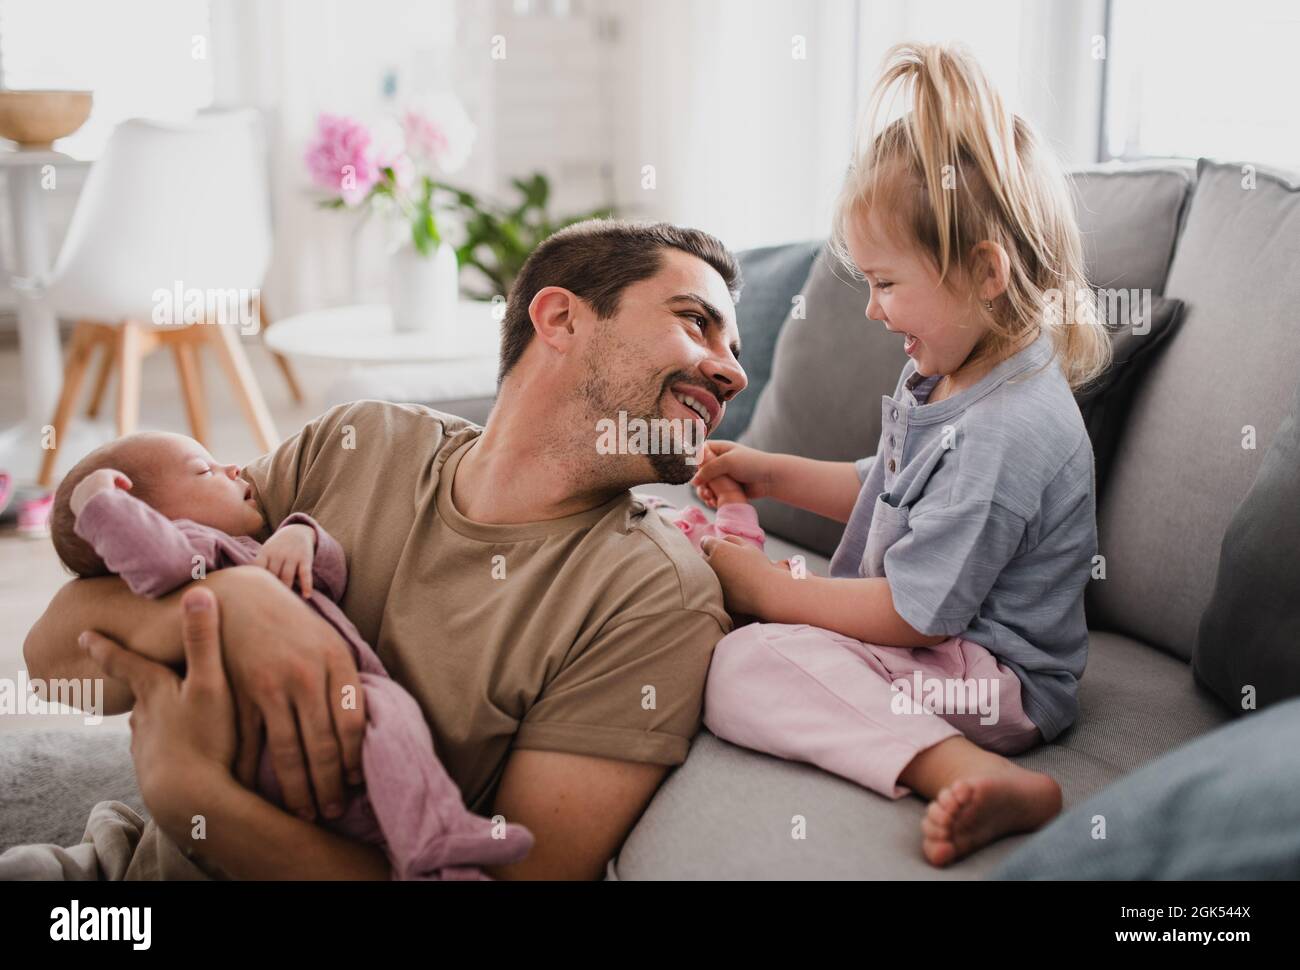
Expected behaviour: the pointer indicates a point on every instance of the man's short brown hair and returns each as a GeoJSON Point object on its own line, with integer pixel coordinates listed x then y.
{"type": "Point", "coordinates": [597, 260]}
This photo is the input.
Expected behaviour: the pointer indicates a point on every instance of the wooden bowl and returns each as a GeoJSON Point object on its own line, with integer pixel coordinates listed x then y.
{"type": "Point", "coordinates": [34, 119]}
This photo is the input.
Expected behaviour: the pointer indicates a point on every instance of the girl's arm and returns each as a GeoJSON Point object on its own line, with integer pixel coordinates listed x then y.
{"type": "Point", "coordinates": [829, 488]}
{"type": "Point", "coordinates": [858, 608]}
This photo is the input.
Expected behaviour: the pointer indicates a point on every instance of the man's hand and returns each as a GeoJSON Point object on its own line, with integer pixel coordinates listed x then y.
{"type": "Point", "coordinates": [182, 730]}
{"type": "Point", "coordinates": [289, 554]}
{"type": "Point", "coordinates": [749, 579]}
{"type": "Point", "coordinates": [101, 480]}
{"type": "Point", "coordinates": [294, 682]}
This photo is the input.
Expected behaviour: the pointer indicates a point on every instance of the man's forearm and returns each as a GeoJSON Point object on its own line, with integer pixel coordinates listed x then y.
{"type": "Point", "coordinates": [249, 838]}
{"type": "Point", "coordinates": [149, 627]}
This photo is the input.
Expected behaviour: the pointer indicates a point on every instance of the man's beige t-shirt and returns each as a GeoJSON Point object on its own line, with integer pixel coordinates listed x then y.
{"type": "Point", "coordinates": [590, 634]}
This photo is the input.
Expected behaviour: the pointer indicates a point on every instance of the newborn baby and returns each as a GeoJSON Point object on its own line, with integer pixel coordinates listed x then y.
{"type": "Point", "coordinates": [735, 516]}
{"type": "Point", "coordinates": [159, 511]}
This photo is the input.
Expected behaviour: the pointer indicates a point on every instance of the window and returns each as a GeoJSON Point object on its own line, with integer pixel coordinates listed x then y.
{"type": "Point", "coordinates": [1214, 79]}
{"type": "Point", "coordinates": [148, 58]}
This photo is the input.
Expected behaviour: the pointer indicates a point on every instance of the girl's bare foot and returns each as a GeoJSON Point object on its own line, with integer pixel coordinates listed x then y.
{"type": "Point", "coordinates": [970, 813]}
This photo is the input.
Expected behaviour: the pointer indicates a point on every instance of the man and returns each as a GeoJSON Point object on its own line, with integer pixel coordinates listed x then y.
{"type": "Point", "coordinates": [555, 635]}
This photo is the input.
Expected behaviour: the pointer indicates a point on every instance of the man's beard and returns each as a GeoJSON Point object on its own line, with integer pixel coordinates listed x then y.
{"type": "Point", "coordinates": [603, 397]}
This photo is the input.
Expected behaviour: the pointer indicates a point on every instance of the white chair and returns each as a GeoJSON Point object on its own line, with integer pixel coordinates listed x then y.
{"type": "Point", "coordinates": [166, 206]}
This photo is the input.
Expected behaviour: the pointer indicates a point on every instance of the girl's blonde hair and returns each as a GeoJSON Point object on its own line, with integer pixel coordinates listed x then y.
{"type": "Point", "coordinates": [958, 169]}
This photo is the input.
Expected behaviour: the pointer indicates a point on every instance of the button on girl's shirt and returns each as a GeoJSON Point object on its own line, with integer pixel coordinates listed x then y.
{"type": "Point", "coordinates": [894, 413]}
{"type": "Point", "coordinates": [893, 466]}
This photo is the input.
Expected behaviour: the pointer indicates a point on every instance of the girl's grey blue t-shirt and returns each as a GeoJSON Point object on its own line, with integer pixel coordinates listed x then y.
{"type": "Point", "coordinates": [980, 511]}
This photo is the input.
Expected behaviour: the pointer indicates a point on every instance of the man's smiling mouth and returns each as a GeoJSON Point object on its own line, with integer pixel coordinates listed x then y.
{"type": "Point", "coordinates": [699, 402]}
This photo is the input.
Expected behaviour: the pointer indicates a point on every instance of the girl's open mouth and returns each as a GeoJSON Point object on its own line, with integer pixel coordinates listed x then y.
{"type": "Point", "coordinates": [909, 344]}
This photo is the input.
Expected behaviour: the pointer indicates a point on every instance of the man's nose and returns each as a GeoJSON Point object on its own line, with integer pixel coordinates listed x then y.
{"type": "Point", "coordinates": [728, 375]}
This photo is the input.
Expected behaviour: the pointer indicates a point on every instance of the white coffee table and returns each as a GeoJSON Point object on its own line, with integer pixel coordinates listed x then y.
{"type": "Point", "coordinates": [459, 363]}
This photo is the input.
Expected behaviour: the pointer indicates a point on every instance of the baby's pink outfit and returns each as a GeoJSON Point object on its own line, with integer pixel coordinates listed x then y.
{"type": "Point", "coordinates": [808, 694]}
{"type": "Point", "coordinates": [409, 806]}
{"type": "Point", "coordinates": [736, 519]}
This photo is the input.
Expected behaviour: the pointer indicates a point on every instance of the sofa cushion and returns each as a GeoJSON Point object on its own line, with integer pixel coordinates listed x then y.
{"type": "Point", "coordinates": [823, 400]}
{"type": "Point", "coordinates": [1129, 216]}
{"type": "Point", "coordinates": [1220, 807]}
{"type": "Point", "coordinates": [1104, 402]}
{"type": "Point", "coordinates": [772, 276]}
{"type": "Point", "coordinates": [727, 812]}
{"type": "Point", "coordinates": [1250, 633]}
{"type": "Point", "coordinates": [1181, 468]}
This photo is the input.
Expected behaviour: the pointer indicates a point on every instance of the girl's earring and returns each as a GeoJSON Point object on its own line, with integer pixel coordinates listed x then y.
{"type": "Point", "coordinates": [988, 305]}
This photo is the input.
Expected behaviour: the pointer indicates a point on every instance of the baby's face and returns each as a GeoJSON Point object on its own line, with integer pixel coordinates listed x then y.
{"type": "Point", "coordinates": [188, 483]}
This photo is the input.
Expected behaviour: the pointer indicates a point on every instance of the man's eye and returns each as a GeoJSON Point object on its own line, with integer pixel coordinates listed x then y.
{"type": "Point", "coordinates": [701, 322]}
{"type": "Point", "coordinates": [883, 287]}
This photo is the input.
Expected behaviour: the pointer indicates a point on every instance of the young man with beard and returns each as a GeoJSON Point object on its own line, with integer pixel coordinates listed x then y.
{"type": "Point", "coordinates": [556, 636]}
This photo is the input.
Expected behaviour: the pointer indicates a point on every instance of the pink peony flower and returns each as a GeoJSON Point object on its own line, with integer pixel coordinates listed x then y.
{"type": "Point", "coordinates": [342, 158]}
{"type": "Point", "coordinates": [439, 133]}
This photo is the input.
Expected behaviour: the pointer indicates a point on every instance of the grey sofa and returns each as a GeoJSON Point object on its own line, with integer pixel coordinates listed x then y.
{"type": "Point", "coordinates": [1194, 233]}
{"type": "Point", "coordinates": [1222, 238]}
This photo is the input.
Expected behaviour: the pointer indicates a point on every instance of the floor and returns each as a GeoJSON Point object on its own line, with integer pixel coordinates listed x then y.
{"type": "Point", "coordinates": [30, 572]}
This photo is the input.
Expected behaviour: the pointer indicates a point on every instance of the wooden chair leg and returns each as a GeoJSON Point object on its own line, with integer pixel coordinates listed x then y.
{"type": "Point", "coordinates": [129, 354]}
{"type": "Point", "coordinates": [231, 354]}
{"type": "Point", "coordinates": [101, 381]}
{"type": "Point", "coordinates": [187, 366]}
{"type": "Point", "coordinates": [80, 348]}
{"type": "Point", "coordinates": [286, 369]}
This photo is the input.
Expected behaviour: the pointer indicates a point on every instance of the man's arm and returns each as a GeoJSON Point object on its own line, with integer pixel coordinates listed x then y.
{"type": "Point", "coordinates": [287, 664]}
{"type": "Point", "coordinates": [249, 838]}
{"type": "Point", "coordinates": [183, 739]}
{"type": "Point", "coordinates": [579, 808]}
{"type": "Point", "coordinates": [149, 627]}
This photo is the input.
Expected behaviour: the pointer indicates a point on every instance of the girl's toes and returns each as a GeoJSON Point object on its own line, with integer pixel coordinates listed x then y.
{"type": "Point", "coordinates": [962, 792]}
{"type": "Point", "coordinates": [947, 798]}
{"type": "Point", "coordinates": [937, 815]}
{"type": "Point", "coordinates": [930, 829]}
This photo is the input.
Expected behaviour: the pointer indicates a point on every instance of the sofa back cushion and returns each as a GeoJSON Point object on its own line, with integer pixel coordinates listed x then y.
{"type": "Point", "coordinates": [772, 277]}
{"type": "Point", "coordinates": [1207, 409]}
{"type": "Point", "coordinates": [1129, 217]}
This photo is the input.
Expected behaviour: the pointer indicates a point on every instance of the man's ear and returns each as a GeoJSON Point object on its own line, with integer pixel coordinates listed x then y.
{"type": "Point", "coordinates": [992, 269]}
{"type": "Point", "coordinates": [553, 312]}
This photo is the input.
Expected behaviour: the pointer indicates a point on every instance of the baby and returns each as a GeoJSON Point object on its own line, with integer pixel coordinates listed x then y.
{"type": "Point", "coordinates": [735, 516]}
{"type": "Point", "coordinates": [159, 511]}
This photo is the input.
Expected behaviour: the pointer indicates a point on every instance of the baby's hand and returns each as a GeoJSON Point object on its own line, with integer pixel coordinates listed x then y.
{"type": "Point", "coordinates": [101, 480]}
{"type": "Point", "coordinates": [289, 554]}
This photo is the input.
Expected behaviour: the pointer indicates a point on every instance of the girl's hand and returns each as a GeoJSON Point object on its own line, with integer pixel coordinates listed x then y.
{"type": "Point", "coordinates": [101, 480]}
{"type": "Point", "coordinates": [751, 469]}
{"type": "Point", "coordinates": [749, 579]}
{"type": "Point", "coordinates": [289, 554]}
{"type": "Point", "coordinates": [723, 490]}
{"type": "Point", "coordinates": [182, 731]}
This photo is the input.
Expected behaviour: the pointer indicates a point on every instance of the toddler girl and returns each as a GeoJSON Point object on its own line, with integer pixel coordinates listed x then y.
{"type": "Point", "coordinates": [951, 632]}
{"type": "Point", "coordinates": [159, 511]}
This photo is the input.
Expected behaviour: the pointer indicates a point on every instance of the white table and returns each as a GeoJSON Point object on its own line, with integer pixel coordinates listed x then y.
{"type": "Point", "coordinates": [446, 365]}
{"type": "Point", "coordinates": [38, 332]}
